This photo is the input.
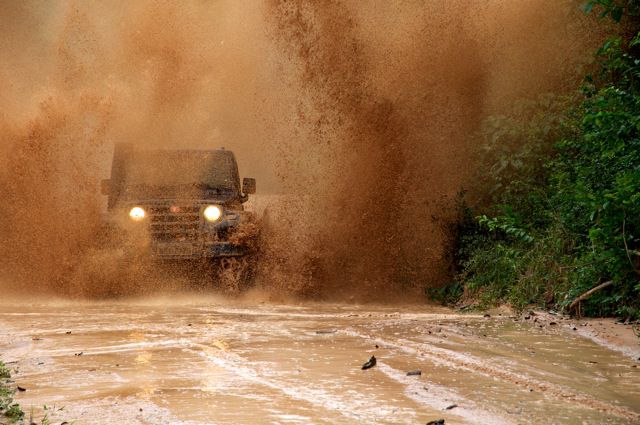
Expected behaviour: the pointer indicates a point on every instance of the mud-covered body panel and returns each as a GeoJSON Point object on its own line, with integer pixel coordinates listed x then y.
{"type": "Point", "coordinates": [173, 225]}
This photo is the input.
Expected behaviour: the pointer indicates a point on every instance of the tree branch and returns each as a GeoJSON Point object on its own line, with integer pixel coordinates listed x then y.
{"type": "Point", "coordinates": [589, 292]}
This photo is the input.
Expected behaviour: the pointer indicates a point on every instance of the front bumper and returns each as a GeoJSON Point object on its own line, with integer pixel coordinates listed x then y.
{"type": "Point", "coordinates": [195, 251]}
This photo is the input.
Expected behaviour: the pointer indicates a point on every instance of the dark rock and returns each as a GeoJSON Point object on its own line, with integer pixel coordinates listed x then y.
{"type": "Point", "coordinates": [552, 323]}
{"type": "Point", "coordinates": [326, 331]}
{"type": "Point", "coordinates": [436, 422]}
{"type": "Point", "coordinates": [377, 346]}
{"type": "Point", "coordinates": [79, 354]}
{"type": "Point", "coordinates": [68, 332]}
{"type": "Point", "coordinates": [371, 363]}
{"type": "Point", "coordinates": [453, 406]}
{"type": "Point", "coordinates": [414, 373]}
{"type": "Point", "coordinates": [21, 389]}
{"type": "Point", "coordinates": [487, 315]}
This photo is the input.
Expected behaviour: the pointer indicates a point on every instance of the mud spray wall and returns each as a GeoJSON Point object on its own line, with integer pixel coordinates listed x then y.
{"type": "Point", "coordinates": [359, 115]}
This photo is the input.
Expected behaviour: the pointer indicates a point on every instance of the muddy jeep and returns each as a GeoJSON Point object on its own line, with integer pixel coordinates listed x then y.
{"type": "Point", "coordinates": [182, 206]}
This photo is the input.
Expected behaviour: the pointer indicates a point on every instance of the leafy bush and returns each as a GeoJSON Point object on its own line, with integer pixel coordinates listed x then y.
{"type": "Point", "coordinates": [560, 210]}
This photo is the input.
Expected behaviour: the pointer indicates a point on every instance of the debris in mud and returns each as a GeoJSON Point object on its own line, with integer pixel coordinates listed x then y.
{"type": "Point", "coordinates": [21, 389]}
{"type": "Point", "coordinates": [369, 364]}
{"type": "Point", "coordinates": [68, 332]}
{"type": "Point", "coordinates": [487, 315]}
{"type": "Point", "coordinates": [36, 339]}
{"type": "Point", "coordinates": [326, 331]}
{"type": "Point", "coordinates": [436, 422]}
{"type": "Point", "coordinates": [414, 373]}
{"type": "Point", "coordinates": [79, 354]}
{"type": "Point", "coordinates": [453, 406]}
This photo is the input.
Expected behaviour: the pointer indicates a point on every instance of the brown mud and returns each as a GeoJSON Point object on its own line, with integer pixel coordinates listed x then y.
{"type": "Point", "coordinates": [361, 120]}
{"type": "Point", "coordinates": [197, 360]}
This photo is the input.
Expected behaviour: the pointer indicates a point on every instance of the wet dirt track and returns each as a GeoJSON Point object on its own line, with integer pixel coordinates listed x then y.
{"type": "Point", "coordinates": [206, 361]}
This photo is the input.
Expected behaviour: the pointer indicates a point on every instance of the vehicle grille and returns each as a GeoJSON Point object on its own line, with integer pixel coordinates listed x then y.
{"type": "Point", "coordinates": [180, 225]}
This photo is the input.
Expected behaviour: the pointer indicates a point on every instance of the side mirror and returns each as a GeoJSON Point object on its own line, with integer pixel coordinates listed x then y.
{"type": "Point", "coordinates": [248, 186]}
{"type": "Point", "coordinates": [105, 187]}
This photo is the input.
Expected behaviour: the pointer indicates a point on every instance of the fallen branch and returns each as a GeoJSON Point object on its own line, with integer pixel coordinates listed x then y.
{"type": "Point", "coordinates": [588, 293]}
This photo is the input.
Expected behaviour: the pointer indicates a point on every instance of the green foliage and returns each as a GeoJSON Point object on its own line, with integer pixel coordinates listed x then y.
{"type": "Point", "coordinates": [616, 9]}
{"type": "Point", "coordinates": [560, 184]}
{"type": "Point", "coordinates": [8, 408]}
{"type": "Point", "coordinates": [506, 224]}
{"type": "Point", "coordinates": [14, 412]}
{"type": "Point", "coordinates": [4, 371]}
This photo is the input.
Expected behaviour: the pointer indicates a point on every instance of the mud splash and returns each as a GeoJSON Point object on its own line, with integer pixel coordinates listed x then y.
{"type": "Point", "coordinates": [391, 98]}
{"type": "Point", "coordinates": [359, 117]}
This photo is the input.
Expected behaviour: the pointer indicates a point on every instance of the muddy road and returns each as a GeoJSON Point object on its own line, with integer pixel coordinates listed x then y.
{"type": "Point", "coordinates": [209, 361]}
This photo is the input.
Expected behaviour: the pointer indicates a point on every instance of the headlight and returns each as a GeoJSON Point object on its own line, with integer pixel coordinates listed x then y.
{"type": "Point", "coordinates": [137, 214]}
{"type": "Point", "coordinates": [212, 213]}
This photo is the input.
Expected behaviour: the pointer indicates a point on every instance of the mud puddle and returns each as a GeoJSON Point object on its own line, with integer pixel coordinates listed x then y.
{"type": "Point", "coordinates": [211, 362]}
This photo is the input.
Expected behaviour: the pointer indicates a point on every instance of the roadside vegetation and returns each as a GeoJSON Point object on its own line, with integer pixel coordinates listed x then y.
{"type": "Point", "coordinates": [10, 412]}
{"type": "Point", "coordinates": [557, 223]}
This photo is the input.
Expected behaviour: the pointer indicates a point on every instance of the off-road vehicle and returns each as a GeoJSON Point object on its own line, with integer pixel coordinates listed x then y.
{"type": "Point", "coordinates": [181, 206]}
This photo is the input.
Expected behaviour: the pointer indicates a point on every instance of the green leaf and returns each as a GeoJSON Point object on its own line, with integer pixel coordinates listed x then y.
{"type": "Point", "coordinates": [588, 7]}
{"type": "Point", "coordinates": [616, 13]}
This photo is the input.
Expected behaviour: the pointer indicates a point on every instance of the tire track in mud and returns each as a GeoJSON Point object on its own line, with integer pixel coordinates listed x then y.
{"type": "Point", "coordinates": [237, 364]}
{"type": "Point", "coordinates": [414, 390]}
{"type": "Point", "coordinates": [438, 397]}
{"type": "Point", "coordinates": [448, 358]}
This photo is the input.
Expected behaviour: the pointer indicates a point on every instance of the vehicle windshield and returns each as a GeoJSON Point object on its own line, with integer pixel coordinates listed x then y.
{"type": "Point", "coordinates": [206, 169]}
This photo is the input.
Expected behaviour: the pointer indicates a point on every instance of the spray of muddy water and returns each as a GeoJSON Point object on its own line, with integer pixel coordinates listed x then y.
{"type": "Point", "coordinates": [358, 116]}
